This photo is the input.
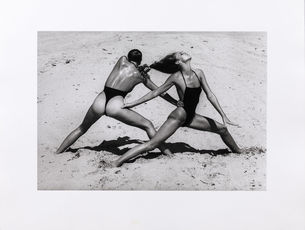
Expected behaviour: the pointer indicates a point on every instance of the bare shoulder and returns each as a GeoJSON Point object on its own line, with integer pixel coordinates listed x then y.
{"type": "Point", "coordinates": [123, 59]}
{"type": "Point", "coordinates": [174, 76]}
{"type": "Point", "coordinates": [199, 72]}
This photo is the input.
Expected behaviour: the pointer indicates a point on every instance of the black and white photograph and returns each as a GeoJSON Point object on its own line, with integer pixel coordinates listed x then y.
{"type": "Point", "coordinates": [152, 110]}
{"type": "Point", "coordinates": [154, 115]}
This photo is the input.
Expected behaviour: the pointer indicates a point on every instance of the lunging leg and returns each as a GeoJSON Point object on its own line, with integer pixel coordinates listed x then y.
{"type": "Point", "coordinates": [96, 110]}
{"type": "Point", "coordinates": [207, 124]}
{"type": "Point", "coordinates": [166, 130]}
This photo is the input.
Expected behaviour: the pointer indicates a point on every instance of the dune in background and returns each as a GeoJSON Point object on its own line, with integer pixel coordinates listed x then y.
{"type": "Point", "coordinates": [72, 70]}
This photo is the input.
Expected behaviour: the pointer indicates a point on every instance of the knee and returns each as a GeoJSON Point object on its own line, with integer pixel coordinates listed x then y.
{"type": "Point", "coordinates": [222, 130]}
{"type": "Point", "coordinates": [148, 125]}
{"type": "Point", "coordinates": [83, 127]}
{"type": "Point", "coordinates": [151, 145]}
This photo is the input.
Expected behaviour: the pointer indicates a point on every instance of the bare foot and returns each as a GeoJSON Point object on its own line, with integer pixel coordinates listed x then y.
{"type": "Point", "coordinates": [166, 151]}
{"type": "Point", "coordinates": [58, 152]}
{"type": "Point", "coordinates": [239, 151]}
{"type": "Point", "coordinates": [169, 155]}
{"type": "Point", "coordinates": [116, 164]}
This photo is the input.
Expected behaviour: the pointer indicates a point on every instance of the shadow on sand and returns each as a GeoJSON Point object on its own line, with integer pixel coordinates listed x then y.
{"type": "Point", "coordinates": [113, 146]}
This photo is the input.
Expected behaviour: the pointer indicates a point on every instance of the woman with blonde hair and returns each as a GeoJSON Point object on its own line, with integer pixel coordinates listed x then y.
{"type": "Point", "coordinates": [189, 82]}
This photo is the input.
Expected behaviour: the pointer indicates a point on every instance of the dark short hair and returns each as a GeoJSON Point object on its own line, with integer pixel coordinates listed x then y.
{"type": "Point", "coordinates": [135, 55]}
{"type": "Point", "coordinates": [166, 64]}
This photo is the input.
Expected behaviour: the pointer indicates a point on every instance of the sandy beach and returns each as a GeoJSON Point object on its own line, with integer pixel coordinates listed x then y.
{"type": "Point", "coordinates": [72, 70]}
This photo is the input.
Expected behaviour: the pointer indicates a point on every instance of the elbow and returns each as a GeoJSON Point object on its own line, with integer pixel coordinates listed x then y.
{"type": "Point", "coordinates": [210, 96]}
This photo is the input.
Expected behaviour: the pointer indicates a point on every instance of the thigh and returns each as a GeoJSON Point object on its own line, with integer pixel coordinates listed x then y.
{"type": "Point", "coordinates": [127, 116]}
{"type": "Point", "coordinates": [205, 124]}
{"type": "Point", "coordinates": [178, 114]}
{"type": "Point", "coordinates": [99, 104]}
{"type": "Point", "coordinates": [96, 110]}
{"type": "Point", "coordinates": [168, 128]}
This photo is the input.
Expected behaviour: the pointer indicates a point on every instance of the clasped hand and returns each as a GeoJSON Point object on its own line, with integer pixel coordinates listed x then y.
{"type": "Point", "coordinates": [127, 105]}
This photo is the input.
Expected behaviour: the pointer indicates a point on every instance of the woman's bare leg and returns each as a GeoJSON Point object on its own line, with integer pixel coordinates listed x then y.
{"type": "Point", "coordinates": [207, 124]}
{"type": "Point", "coordinates": [166, 130]}
{"type": "Point", "coordinates": [133, 118]}
{"type": "Point", "coordinates": [96, 110]}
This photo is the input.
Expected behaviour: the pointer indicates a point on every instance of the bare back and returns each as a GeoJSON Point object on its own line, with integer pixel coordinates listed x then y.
{"type": "Point", "coordinates": [124, 76]}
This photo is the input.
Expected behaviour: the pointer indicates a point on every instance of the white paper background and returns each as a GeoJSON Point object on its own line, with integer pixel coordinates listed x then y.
{"type": "Point", "coordinates": [282, 206]}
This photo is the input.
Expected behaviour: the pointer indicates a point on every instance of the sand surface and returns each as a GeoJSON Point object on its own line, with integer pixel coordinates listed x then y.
{"type": "Point", "coordinates": [72, 70]}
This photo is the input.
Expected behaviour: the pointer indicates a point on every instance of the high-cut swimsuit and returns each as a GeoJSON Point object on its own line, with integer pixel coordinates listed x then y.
{"type": "Point", "coordinates": [110, 93]}
{"type": "Point", "coordinates": [190, 101]}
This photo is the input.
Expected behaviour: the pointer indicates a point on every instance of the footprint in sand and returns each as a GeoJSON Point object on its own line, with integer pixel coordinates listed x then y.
{"type": "Point", "coordinates": [253, 150]}
{"type": "Point", "coordinates": [69, 61]}
{"type": "Point", "coordinates": [76, 156]}
{"type": "Point", "coordinates": [103, 164]}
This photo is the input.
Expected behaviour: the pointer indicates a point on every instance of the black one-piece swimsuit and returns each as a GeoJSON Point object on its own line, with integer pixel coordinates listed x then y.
{"type": "Point", "coordinates": [190, 101]}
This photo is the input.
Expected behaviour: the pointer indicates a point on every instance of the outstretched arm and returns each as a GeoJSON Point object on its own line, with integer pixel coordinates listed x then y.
{"type": "Point", "coordinates": [212, 98]}
{"type": "Point", "coordinates": [152, 94]}
{"type": "Point", "coordinates": [152, 86]}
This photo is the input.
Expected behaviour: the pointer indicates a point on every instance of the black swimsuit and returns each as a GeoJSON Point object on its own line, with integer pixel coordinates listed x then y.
{"type": "Point", "coordinates": [190, 101]}
{"type": "Point", "coordinates": [110, 93]}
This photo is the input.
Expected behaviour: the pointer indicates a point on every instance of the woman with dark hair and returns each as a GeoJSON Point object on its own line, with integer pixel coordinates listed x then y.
{"type": "Point", "coordinates": [188, 83]}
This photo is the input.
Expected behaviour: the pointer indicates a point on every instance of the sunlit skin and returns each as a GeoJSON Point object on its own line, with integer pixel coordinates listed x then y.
{"type": "Point", "coordinates": [124, 76]}
{"type": "Point", "coordinates": [178, 116]}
